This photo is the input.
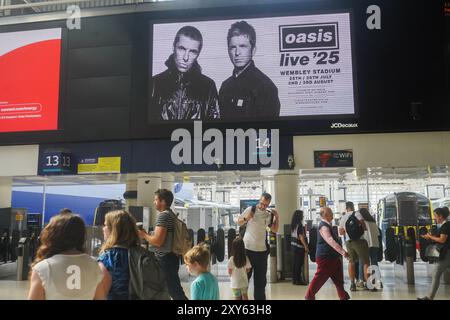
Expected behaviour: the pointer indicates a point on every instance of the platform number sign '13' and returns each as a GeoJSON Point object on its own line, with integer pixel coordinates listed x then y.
{"type": "Point", "coordinates": [57, 162]}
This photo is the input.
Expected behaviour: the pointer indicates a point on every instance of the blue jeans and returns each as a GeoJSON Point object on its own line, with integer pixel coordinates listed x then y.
{"type": "Point", "coordinates": [360, 266]}
{"type": "Point", "coordinates": [170, 265]}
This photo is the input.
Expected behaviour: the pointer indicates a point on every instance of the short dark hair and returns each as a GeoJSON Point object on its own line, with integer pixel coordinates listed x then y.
{"type": "Point", "coordinates": [242, 28]}
{"type": "Point", "coordinates": [65, 211]}
{"type": "Point", "coordinates": [350, 205]}
{"type": "Point", "coordinates": [190, 32]}
{"type": "Point", "coordinates": [266, 196]}
{"type": "Point", "coordinates": [443, 212]}
{"type": "Point", "coordinates": [166, 195]}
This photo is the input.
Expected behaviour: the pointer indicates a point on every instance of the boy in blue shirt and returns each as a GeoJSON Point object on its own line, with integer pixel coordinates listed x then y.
{"type": "Point", "coordinates": [205, 286]}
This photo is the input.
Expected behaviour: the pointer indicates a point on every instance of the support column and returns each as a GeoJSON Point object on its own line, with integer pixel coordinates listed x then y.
{"type": "Point", "coordinates": [286, 195]}
{"type": "Point", "coordinates": [286, 199]}
{"type": "Point", "coordinates": [167, 181]}
{"type": "Point", "coordinates": [269, 187]}
{"type": "Point", "coordinates": [146, 187]}
{"type": "Point", "coordinates": [5, 192]}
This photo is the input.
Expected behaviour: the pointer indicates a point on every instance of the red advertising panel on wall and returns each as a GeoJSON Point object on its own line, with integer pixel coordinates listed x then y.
{"type": "Point", "coordinates": [29, 80]}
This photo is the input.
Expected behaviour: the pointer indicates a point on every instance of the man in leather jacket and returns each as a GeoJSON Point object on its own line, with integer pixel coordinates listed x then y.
{"type": "Point", "coordinates": [248, 93]}
{"type": "Point", "coordinates": [182, 92]}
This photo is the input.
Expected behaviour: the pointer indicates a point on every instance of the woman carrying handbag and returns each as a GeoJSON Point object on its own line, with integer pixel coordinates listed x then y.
{"type": "Point", "coordinates": [443, 242]}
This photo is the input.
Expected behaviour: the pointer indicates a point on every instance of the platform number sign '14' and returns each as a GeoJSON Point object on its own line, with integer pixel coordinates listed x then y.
{"type": "Point", "coordinates": [57, 163]}
{"type": "Point", "coordinates": [262, 143]}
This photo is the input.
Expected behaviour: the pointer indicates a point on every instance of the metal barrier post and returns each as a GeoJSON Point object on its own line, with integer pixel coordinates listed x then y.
{"type": "Point", "coordinates": [23, 257]}
{"type": "Point", "coordinates": [410, 254]}
{"type": "Point", "coordinates": [306, 269]}
{"type": "Point", "coordinates": [273, 272]}
{"type": "Point", "coordinates": [409, 265]}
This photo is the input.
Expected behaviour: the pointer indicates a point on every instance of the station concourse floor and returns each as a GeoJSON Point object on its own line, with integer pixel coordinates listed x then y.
{"type": "Point", "coordinates": [395, 287]}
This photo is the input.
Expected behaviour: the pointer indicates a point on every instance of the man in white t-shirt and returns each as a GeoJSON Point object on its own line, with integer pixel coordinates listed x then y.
{"type": "Point", "coordinates": [255, 240]}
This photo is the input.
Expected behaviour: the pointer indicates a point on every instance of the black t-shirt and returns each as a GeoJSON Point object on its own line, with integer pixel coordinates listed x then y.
{"type": "Point", "coordinates": [294, 240]}
{"type": "Point", "coordinates": [250, 95]}
{"type": "Point", "coordinates": [445, 229]}
{"type": "Point", "coordinates": [300, 230]}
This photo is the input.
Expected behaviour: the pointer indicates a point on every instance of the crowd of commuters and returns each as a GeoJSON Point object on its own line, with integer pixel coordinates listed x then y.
{"type": "Point", "coordinates": [63, 270]}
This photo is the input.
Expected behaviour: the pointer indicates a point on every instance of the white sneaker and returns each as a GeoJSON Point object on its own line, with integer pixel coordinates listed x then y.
{"type": "Point", "coordinates": [360, 284]}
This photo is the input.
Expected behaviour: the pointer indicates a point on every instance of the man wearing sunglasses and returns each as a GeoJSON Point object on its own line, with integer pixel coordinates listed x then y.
{"type": "Point", "coordinates": [257, 219]}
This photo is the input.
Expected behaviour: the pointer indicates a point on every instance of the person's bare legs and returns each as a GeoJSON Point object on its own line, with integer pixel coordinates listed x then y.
{"type": "Point", "coordinates": [366, 272]}
{"type": "Point", "coordinates": [351, 271]}
{"type": "Point", "coordinates": [244, 293]}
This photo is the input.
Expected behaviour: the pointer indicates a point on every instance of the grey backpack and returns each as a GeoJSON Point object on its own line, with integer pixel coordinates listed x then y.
{"type": "Point", "coordinates": [147, 281]}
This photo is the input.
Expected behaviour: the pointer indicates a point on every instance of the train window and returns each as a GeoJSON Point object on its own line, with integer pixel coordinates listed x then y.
{"type": "Point", "coordinates": [390, 211]}
{"type": "Point", "coordinates": [423, 210]}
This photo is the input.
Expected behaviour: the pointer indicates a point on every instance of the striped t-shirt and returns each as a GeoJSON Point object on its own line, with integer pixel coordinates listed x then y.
{"type": "Point", "coordinates": [166, 220]}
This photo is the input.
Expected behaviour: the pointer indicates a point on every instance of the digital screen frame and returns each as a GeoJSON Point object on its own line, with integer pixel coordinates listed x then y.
{"type": "Point", "coordinates": [30, 64]}
{"type": "Point", "coordinates": [306, 90]}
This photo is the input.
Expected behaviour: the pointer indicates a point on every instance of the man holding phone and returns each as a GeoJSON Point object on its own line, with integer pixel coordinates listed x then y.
{"type": "Point", "coordinates": [257, 219]}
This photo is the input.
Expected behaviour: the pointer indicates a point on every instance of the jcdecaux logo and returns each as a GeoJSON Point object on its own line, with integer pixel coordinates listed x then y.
{"type": "Point", "coordinates": [339, 125]}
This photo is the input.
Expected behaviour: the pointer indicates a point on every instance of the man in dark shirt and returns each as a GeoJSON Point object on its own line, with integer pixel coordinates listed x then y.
{"type": "Point", "coordinates": [441, 215]}
{"type": "Point", "coordinates": [248, 93]}
{"type": "Point", "coordinates": [182, 92]}
{"type": "Point", "coordinates": [162, 239]}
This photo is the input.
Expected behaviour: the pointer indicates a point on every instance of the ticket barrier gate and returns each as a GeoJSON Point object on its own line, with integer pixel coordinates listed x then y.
{"type": "Point", "coordinates": [401, 249]}
{"type": "Point", "coordinates": [5, 247]}
{"type": "Point", "coordinates": [13, 226]}
{"type": "Point", "coordinates": [23, 259]}
{"type": "Point", "coordinates": [285, 256]}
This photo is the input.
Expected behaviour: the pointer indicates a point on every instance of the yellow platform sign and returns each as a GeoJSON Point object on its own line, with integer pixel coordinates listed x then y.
{"type": "Point", "coordinates": [101, 165]}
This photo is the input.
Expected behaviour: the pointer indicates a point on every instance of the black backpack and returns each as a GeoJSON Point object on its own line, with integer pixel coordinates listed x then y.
{"type": "Point", "coordinates": [147, 281]}
{"type": "Point", "coordinates": [354, 227]}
